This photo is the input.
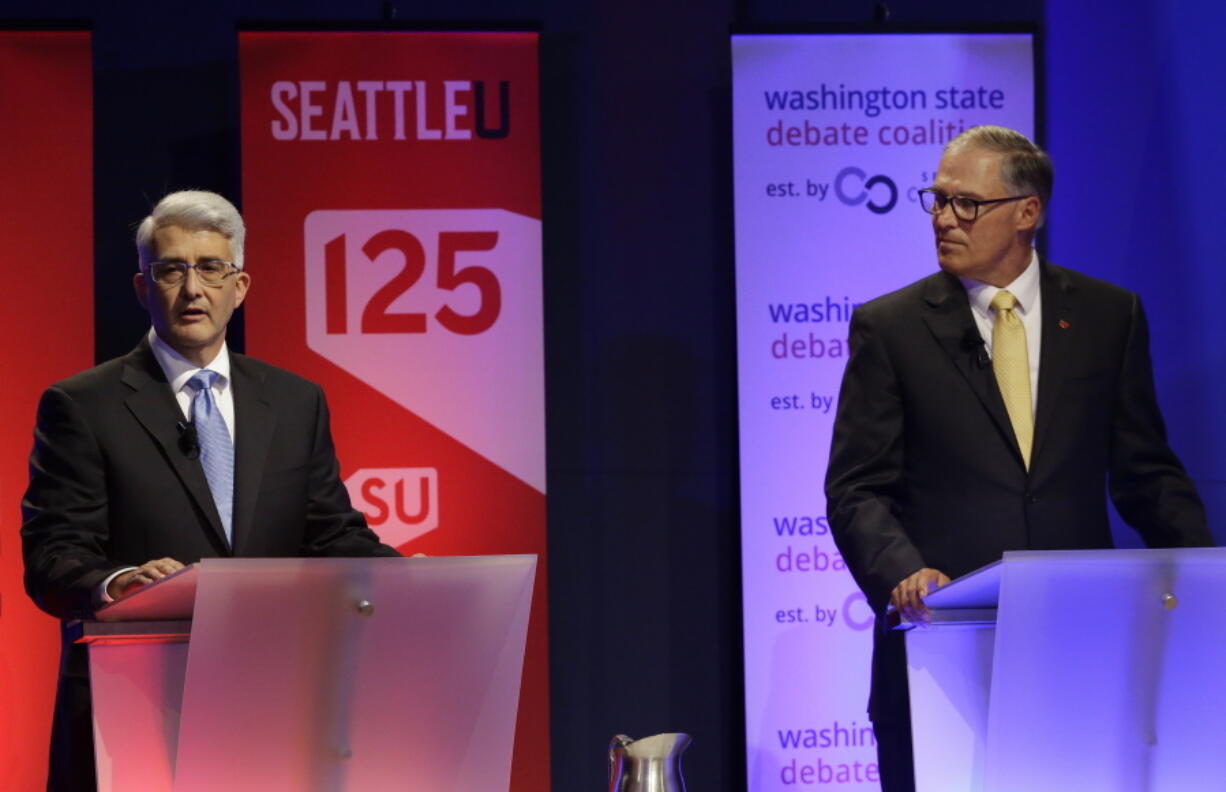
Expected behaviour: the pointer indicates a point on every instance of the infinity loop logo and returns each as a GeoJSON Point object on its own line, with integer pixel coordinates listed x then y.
{"type": "Point", "coordinates": [856, 613]}
{"type": "Point", "coordinates": [865, 184]}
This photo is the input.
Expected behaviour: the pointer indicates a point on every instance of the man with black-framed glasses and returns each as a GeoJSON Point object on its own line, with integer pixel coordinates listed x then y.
{"type": "Point", "coordinates": [984, 407]}
{"type": "Point", "coordinates": [177, 451]}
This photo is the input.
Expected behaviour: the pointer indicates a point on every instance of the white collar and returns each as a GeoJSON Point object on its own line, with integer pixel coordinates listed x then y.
{"type": "Point", "coordinates": [1025, 288]}
{"type": "Point", "coordinates": [179, 370]}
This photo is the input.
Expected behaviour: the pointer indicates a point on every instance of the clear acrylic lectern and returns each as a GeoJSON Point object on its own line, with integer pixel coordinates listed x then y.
{"type": "Point", "coordinates": [1088, 670]}
{"type": "Point", "coordinates": [326, 675]}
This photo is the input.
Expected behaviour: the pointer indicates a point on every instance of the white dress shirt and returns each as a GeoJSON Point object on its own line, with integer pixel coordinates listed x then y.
{"type": "Point", "coordinates": [1029, 309]}
{"type": "Point", "coordinates": [179, 370]}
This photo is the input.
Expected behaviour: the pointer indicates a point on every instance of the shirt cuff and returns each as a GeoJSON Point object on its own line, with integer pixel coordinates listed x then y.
{"type": "Point", "coordinates": [100, 596]}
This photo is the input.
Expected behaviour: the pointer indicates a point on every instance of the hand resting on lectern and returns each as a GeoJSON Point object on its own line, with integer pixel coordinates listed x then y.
{"type": "Point", "coordinates": [908, 596]}
{"type": "Point", "coordinates": [146, 573]}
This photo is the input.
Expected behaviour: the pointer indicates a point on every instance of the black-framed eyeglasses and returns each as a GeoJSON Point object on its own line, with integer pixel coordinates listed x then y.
{"type": "Point", "coordinates": [211, 272]}
{"type": "Point", "coordinates": [965, 208]}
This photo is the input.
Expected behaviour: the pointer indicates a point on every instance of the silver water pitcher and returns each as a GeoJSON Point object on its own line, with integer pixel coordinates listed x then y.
{"type": "Point", "coordinates": [652, 764]}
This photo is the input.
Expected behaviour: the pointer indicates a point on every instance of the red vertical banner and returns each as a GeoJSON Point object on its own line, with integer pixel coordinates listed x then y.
{"type": "Point", "coordinates": [391, 187]}
{"type": "Point", "coordinates": [47, 333]}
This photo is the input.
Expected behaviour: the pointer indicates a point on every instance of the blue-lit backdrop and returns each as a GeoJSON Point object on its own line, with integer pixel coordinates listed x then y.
{"type": "Point", "coordinates": [1135, 114]}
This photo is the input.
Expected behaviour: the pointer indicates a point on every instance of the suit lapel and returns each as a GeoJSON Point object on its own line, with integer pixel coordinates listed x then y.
{"type": "Point", "coordinates": [255, 421]}
{"type": "Point", "coordinates": [154, 406]}
{"type": "Point", "coordinates": [1060, 304]}
{"type": "Point", "coordinates": [947, 312]}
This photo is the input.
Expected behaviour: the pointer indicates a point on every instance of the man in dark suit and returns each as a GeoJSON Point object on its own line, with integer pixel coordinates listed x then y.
{"type": "Point", "coordinates": [177, 451]}
{"type": "Point", "coordinates": [987, 408]}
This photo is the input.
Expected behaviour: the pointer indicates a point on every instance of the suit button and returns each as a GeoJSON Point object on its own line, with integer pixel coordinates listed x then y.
{"type": "Point", "coordinates": [1032, 499]}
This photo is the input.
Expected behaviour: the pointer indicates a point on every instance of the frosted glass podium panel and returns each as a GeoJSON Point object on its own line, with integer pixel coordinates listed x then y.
{"type": "Point", "coordinates": [1101, 672]}
{"type": "Point", "coordinates": [1108, 671]}
{"type": "Point", "coordinates": [138, 649]}
{"type": "Point", "coordinates": [290, 687]}
{"type": "Point", "coordinates": [324, 674]}
{"type": "Point", "coordinates": [949, 668]}
{"type": "Point", "coordinates": [136, 679]}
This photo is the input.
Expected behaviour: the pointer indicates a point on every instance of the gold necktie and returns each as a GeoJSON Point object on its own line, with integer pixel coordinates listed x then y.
{"type": "Point", "coordinates": [1012, 368]}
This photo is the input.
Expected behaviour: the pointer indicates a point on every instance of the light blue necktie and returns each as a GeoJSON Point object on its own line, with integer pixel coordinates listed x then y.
{"type": "Point", "coordinates": [216, 450]}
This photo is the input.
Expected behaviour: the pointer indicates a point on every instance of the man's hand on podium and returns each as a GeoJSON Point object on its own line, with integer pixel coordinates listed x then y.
{"type": "Point", "coordinates": [908, 596]}
{"type": "Point", "coordinates": [145, 573]}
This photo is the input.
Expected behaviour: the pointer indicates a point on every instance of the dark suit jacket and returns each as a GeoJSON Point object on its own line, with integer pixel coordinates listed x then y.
{"type": "Point", "coordinates": [111, 486]}
{"type": "Point", "coordinates": [925, 470]}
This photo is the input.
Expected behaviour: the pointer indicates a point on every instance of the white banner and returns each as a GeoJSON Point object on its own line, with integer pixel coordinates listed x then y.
{"type": "Point", "coordinates": [833, 135]}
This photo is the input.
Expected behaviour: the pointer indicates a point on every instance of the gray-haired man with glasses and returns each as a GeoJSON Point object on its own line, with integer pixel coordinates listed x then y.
{"type": "Point", "coordinates": [982, 410]}
{"type": "Point", "coordinates": [177, 451]}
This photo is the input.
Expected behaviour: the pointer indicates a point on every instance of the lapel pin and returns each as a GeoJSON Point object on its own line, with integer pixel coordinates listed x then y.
{"type": "Point", "coordinates": [1063, 324]}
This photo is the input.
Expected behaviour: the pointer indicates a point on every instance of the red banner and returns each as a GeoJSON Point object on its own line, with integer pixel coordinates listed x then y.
{"type": "Point", "coordinates": [392, 192]}
{"type": "Point", "coordinates": [47, 327]}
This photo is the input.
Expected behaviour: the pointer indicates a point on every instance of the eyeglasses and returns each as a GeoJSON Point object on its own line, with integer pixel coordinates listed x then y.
{"type": "Point", "coordinates": [211, 272]}
{"type": "Point", "coordinates": [965, 208]}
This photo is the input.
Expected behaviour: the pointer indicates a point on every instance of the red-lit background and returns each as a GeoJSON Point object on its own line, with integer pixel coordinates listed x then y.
{"type": "Point", "coordinates": [47, 327]}
{"type": "Point", "coordinates": [483, 508]}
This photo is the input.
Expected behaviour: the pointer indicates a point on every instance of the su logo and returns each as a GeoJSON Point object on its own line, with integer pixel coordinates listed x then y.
{"type": "Point", "coordinates": [400, 504]}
